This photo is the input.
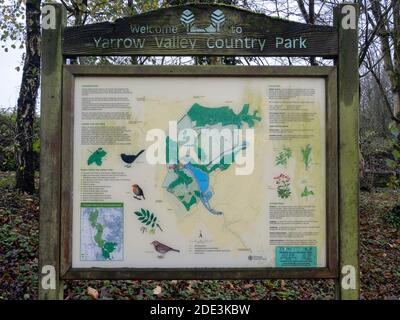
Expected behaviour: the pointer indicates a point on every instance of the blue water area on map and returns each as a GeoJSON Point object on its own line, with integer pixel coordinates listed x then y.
{"type": "Point", "coordinates": [201, 177]}
{"type": "Point", "coordinates": [203, 181]}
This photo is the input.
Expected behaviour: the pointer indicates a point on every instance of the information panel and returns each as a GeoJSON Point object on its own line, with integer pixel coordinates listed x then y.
{"type": "Point", "coordinates": [199, 172]}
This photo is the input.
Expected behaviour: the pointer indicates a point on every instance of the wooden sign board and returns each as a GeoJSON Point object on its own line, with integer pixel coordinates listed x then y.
{"type": "Point", "coordinates": [201, 29]}
{"type": "Point", "coordinates": [307, 133]}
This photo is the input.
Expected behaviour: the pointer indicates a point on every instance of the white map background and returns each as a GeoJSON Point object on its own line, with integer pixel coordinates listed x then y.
{"type": "Point", "coordinates": [240, 236]}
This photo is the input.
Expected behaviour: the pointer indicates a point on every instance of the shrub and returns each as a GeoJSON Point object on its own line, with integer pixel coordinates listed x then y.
{"type": "Point", "coordinates": [7, 141]}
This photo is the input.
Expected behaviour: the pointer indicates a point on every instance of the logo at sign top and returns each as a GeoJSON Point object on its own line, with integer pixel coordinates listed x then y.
{"type": "Point", "coordinates": [217, 20]}
{"type": "Point", "coordinates": [187, 19]}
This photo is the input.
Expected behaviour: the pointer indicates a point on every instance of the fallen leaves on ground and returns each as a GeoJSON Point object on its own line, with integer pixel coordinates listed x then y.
{"type": "Point", "coordinates": [93, 293]}
{"type": "Point", "coordinates": [19, 239]}
{"type": "Point", "coordinates": [157, 290]}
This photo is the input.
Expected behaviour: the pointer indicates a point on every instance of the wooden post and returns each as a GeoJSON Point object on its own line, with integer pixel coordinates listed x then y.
{"type": "Point", "coordinates": [54, 19]}
{"type": "Point", "coordinates": [346, 19]}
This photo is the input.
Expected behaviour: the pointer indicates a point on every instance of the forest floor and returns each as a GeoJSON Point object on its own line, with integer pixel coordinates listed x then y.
{"type": "Point", "coordinates": [19, 238]}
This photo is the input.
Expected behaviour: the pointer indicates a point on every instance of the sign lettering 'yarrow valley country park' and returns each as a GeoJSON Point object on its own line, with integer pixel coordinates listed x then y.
{"type": "Point", "coordinates": [169, 37]}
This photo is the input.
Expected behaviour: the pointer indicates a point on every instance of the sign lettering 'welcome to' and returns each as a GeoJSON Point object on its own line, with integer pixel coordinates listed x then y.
{"type": "Point", "coordinates": [166, 36]}
{"type": "Point", "coordinates": [223, 31]}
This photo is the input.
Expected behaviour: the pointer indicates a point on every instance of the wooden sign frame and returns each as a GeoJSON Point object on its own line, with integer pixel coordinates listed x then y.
{"type": "Point", "coordinates": [326, 73]}
{"type": "Point", "coordinates": [59, 43]}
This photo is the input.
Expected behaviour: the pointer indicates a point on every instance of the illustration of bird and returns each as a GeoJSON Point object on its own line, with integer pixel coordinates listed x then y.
{"type": "Point", "coordinates": [129, 159]}
{"type": "Point", "coordinates": [162, 248]}
{"type": "Point", "coordinates": [137, 192]}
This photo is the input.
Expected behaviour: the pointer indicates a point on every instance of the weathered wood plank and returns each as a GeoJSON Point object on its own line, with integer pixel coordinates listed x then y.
{"type": "Point", "coordinates": [348, 79]}
{"type": "Point", "coordinates": [190, 71]}
{"type": "Point", "coordinates": [332, 172]}
{"type": "Point", "coordinates": [67, 171]}
{"type": "Point", "coordinates": [198, 274]}
{"type": "Point", "coordinates": [50, 159]}
{"type": "Point", "coordinates": [191, 30]}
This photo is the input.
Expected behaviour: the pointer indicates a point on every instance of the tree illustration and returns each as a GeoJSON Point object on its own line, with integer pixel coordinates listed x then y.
{"type": "Point", "coordinates": [187, 19]}
{"type": "Point", "coordinates": [217, 19]}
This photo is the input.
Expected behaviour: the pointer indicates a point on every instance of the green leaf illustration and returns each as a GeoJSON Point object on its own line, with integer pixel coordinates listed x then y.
{"type": "Point", "coordinates": [307, 192]}
{"type": "Point", "coordinates": [306, 152]}
{"type": "Point", "coordinates": [147, 218]}
{"type": "Point", "coordinates": [283, 157]}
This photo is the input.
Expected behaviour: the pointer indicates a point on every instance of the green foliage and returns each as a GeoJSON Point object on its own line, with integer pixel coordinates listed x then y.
{"type": "Point", "coordinates": [8, 143]}
{"type": "Point", "coordinates": [12, 16]}
{"type": "Point", "coordinates": [392, 217]}
{"type": "Point", "coordinates": [393, 162]}
{"type": "Point", "coordinates": [147, 218]}
{"type": "Point", "coordinates": [373, 143]}
{"type": "Point", "coordinates": [7, 135]}
{"type": "Point", "coordinates": [36, 145]}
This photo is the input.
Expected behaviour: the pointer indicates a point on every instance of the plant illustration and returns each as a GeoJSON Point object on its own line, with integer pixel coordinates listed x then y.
{"type": "Point", "coordinates": [306, 192]}
{"type": "Point", "coordinates": [283, 157]}
{"type": "Point", "coordinates": [148, 219]}
{"type": "Point", "coordinates": [283, 186]}
{"type": "Point", "coordinates": [306, 152]}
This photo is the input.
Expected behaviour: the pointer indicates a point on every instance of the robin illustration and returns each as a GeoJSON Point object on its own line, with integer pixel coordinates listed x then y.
{"type": "Point", "coordinates": [162, 248]}
{"type": "Point", "coordinates": [129, 159]}
{"type": "Point", "coordinates": [137, 192]}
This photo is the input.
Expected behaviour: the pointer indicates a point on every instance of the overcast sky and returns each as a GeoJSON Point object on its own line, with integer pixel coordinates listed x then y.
{"type": "Point", "coordinates": [10, 79]}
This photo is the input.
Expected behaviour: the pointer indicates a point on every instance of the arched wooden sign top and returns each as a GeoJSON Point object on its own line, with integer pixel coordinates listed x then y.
{"type": "Point", "coordinates": [201, 29]}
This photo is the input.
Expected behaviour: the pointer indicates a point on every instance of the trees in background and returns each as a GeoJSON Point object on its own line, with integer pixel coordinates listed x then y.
{"type": "Point", "coordinates": [383, 19]}
{"type": "Point", "coordinates": [26, 103]}
{"type": "Point", "coordinates": [20, 27]}
{"type": "Point", "coordinates": [379, 55]}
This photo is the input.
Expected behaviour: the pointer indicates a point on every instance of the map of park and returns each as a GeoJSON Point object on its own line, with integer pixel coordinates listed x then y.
{"type": "Point", "coordinates": [190, 182]}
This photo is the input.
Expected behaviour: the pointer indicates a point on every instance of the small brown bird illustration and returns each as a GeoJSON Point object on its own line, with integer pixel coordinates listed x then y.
{"type": "Point", "coordinates": [137, 192]}
{"type": "Point", "coordinates": [162, 248]}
